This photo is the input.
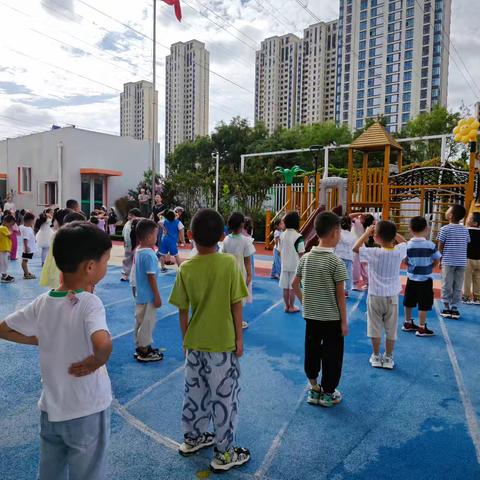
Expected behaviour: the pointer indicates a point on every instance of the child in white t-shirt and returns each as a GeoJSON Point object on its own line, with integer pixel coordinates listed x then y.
{"type": "Point", "coordinates": [383, 287]}
{"type": "Point", "coordinates": [69, 326]}
{"type": "Point", "coordinates": [292, 247]}
{"type": "Point", "coordinates": [277, 263]}
{"type": "Point", "coordinates": [241, 247]}
{"type": "Point", "coordinates": [29, 244]}
{"type": "Point", "coordinates": [344, 249]}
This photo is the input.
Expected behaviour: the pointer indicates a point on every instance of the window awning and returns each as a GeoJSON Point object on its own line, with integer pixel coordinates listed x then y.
{"type": "Point", "coordinates": [3, 176]}
{"type": "Point", "coordinates": [101, 171]}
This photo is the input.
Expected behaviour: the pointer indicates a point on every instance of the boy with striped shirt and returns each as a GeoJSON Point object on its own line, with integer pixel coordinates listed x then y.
{"type": "Point", "coordinates": [422, 256]}
{"type": "Point", "coordinates": [322, 275]}
{"type": "Point", "coordinates": [453, 240]}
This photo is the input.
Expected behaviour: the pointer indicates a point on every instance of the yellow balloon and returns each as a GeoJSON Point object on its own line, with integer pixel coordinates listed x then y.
{"type": "Point", "coordinates": [458, 137]}
{"type": "Point", "coordinates": [475, 124]}
{"type": "Point", "coordinates": [456, 130]}
{"type": "Point", "coordinates": [464, 138]}
{"type": "Point", "coordinates": [472, 137]}
{"type": "Point", "coordinates": [462, 122]}
{"type": "Point", "coordinates": [464, 129]}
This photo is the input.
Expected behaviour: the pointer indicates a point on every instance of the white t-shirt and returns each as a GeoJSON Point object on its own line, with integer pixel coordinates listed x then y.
{"type": "Point", "coordinates": [277, 234]}
{"type": "Point", "coordinates": [10, 206]}
{"type": "Point", "coordinates": [44, 235]}
{"type": "Point", "coordinates": [345, 245]}
{"type": "Point", "coordinates": [384, 269]}
{"type": "Point", "coordinates": [240, 247]}
{"type": "Point", "coordinates": [291, 245]}
{"type": "Point", "coordinates": [63, 329]}
{"type": "Point", "coordinates": [28, 235]}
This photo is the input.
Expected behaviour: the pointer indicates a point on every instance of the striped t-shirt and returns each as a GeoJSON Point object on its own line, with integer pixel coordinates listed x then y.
{"type": "Point", "coordinates": [455, 239]}
{"type": "Point", "coordinates": [421, 253]}
{"type": "Point", "coordinates": [320, 270]}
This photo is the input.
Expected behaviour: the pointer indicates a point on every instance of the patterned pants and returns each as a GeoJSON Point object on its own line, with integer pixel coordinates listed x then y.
{"type": "Point", "coordinates": [211, 392]}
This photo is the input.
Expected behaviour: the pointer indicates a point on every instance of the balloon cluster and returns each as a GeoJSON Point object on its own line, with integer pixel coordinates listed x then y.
{"type": "Point", "coordinates": [467, 130]}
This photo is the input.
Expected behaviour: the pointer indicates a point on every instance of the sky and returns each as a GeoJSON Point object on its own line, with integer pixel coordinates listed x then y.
{"type": "Point", "coordinates": [65, 61]}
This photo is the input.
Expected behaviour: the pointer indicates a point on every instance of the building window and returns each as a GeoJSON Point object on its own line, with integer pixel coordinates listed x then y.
{"type": "Point", "coordinates": [24, 179]}
{"type": "Point", "coordinates": [47, 193]}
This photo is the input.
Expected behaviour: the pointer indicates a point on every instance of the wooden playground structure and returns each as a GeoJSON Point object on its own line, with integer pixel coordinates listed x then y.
{"type": "Point", "coordinates": [390, 191]}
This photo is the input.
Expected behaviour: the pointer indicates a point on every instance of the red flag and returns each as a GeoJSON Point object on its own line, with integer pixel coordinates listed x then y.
{"type": "Point", "coordinates": [176, 5]}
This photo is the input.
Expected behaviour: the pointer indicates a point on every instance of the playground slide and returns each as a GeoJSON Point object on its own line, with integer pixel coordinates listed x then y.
{"type": "Point", "coordinates": [308, 230]}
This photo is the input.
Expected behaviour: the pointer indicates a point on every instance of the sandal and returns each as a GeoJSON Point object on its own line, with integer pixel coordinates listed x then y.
{"type": "Point", "coordinates": [29, 276]}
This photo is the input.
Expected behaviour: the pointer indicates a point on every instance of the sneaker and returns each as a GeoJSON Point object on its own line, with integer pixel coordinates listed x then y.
{"type": "Point", "coordinates": [150, 349]}
{"type": "Point", "coordinates": [337, 397]}
{"type": "Point", "coordinates": [476, 300]}
{"type": "Point", "coordinates": [7, 279]}
{"type": "Point", "coordinates": [244, 325]}
{"type": "Point", "coordinates": [375, 361]}
{"type": "Point", "coordinates": [424, 332]}
{"type": "Point", "coordinates": [409, 326]}
{"type": "Point", "coordinates": [164, 270]}
{"type": "Point", "coordinates": [387, 362]}
{"type": "Point", "coordinates": [29, 276]}
{"type": "Point", "coordinates": [446, 313]}
{"type": "Point", "coordinates": [235, 457]}
{"type": "Point", "coordinates": [330, 399]}
{"type": "Point", "coordinates": [454, 313]}
{"type": "Point", "coordinates": [150, 356]}
{"type": "Point", "coordinates": [313, 396]}
{"type": "Point", "coordinates": [192, 445]}
{"type": "Point", "coordinates": [124, 278]}
{"type": "Point", "coordinates": [467, 300]}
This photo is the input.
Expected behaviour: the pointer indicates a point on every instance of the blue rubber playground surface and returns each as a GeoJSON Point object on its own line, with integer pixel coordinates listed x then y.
{"type": "Point", "coordinates": [419, 421]}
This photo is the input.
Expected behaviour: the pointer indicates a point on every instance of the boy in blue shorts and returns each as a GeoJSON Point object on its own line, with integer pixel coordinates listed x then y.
{"type": "Point", "coordinates": [69, 326]}
{"type": "Point", "coordinates": [212, 287]}
{"type": "Point", "coordinates": [172, 227]}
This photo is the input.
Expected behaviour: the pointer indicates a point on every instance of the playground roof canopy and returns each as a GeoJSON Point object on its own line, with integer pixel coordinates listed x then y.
{"type": "Point", "coordinates": [376, 138]}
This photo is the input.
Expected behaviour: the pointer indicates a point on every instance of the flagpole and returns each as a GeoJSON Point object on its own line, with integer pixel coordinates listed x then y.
{"type": "Point", "coordinates": [154, 100]}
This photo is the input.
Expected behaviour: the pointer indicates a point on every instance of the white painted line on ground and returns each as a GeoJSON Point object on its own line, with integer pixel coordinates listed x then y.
{"type": "Point", "coordinates": [126, 332]}
{"type": "Point", "coordinates": [153, 387]}
{"type": "Point", "coordinates": [470, 414]}
{"type": "Point", "coordinates": [139, 425]}
{"type": "Point", "coordinates": [267, 461]}
{"type": "Point", "coordinates": [268, 310]}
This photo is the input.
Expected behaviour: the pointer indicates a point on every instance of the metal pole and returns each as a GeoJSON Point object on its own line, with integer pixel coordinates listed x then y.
{"type": "Point", "coordinates": [217, 172]}
{"type": "Point", "coordinates": [154, 100]}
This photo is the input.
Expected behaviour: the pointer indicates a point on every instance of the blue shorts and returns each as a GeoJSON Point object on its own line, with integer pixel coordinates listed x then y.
{"type": "Point", "coordinates": [168, 246]}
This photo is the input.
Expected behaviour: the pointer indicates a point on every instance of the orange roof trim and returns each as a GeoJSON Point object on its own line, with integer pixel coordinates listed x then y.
{"type": "Point", "coordinates": [101, 171]}
{"type": "Point", "coordinates": [3, 176]}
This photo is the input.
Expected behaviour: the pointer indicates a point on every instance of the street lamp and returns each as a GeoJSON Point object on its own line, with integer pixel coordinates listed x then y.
{"type": "Point", "coordinates": [216, 155]}
{"type": "Point", "coordinates": [315, 149]}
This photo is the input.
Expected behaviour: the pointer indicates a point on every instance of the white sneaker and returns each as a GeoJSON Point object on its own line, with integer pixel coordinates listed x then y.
{"type": "Point", "coordinates": [375, 361]}
{"type": "Point", "coordinates": [388, 362]}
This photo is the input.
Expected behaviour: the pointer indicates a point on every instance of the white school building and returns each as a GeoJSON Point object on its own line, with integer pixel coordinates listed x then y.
{"type": "Point", "coordinates": [51, 167]}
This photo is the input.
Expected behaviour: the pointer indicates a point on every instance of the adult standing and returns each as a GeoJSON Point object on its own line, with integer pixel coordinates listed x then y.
{"type": "Point", "coordinates": [9, 205]}
{"type": "Point", "coordinates": [158, 211]}
{"type": "Point", "coordinates": [73, 204]}
{"type": "Point", "coordinates": [144, 201]}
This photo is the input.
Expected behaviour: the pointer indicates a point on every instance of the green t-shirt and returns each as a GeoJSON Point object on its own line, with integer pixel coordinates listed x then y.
{"type": "Point", "coordinates": [209, 285]}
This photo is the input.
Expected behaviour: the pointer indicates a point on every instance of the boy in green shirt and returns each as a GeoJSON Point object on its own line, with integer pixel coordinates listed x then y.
{"type": "Point", "coordinates": [212, 287]}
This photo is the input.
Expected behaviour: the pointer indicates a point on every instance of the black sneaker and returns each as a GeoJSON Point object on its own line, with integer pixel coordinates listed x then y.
{"type": "Point", "coordinates": [7, 279]}
{"type": "Point", "coordinates": [454, 313]}
{"type": "Point", "coordinates": [446, 313]}
{"type": "Point", "coordinates": [150, 349]}
{"type": "Point", "coordinates": [409, 326]}
{"type": "Point", "coordinates": [190, 446]}
{"type": "Point", "coordinates": [424, 332]}
{"type": "Point", "coordinates": [152, 355]}
{"type": "Point", "coordinates": [235, 457]}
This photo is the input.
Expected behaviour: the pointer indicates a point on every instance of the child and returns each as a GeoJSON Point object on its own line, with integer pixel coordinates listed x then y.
{"type": "Point", "coordinates": [29, 244]}
{"type": "Point", "coordinates": [361, 221]}
{"type": "Point", "coordinates": [383, 287]}
{"type": "Point", "coordinates": [422, 257]}
{"type": "Point", "coordinates": [292, 247]}
{"type": "Point", "coordinates": [323, 276]}
{"type": "Point", "coordinates": [112, 221]}
{"type": "Point", "coordinates": [344, 250]}
{"type": "Point", "coordinates": [5, 247]}
{"type": "Point", "coordinates": [241, 247]}
{"type": "Point", "coordinates": [70, 329]}
{"type": "Point", "coordinates": [147, 295]}
{"type": "Point", "coordinates": [43, 234]}
{"type": "Point", "coordinates": [172, 228]}
{"type": "Point", "coordinates": [128, 255]}
{"type": "Point", "coordinates": [472, 273]}
{"type": "Point", "coordinates": [277, 263]}
{"type": "Point", "coordinates": [452, 244]}
{"type": "Point", "coordinates": [14, 238]}
{"type": "Point", "coordinates": [211, 286]}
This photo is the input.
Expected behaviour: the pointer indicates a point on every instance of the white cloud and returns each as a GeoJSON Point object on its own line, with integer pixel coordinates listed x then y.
{"type": "Point", "coordinates": [44, 43]}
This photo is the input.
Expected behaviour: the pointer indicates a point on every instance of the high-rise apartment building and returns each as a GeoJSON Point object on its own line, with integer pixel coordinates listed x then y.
{"type": "Point", "coordinates": [392, 59]}
{"type": "Point", "coordinates": [136, 111]}
{"type": "Point", "coordinates": [295, 78]}
{"type": "Point", "coordinates": [186, 93]}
